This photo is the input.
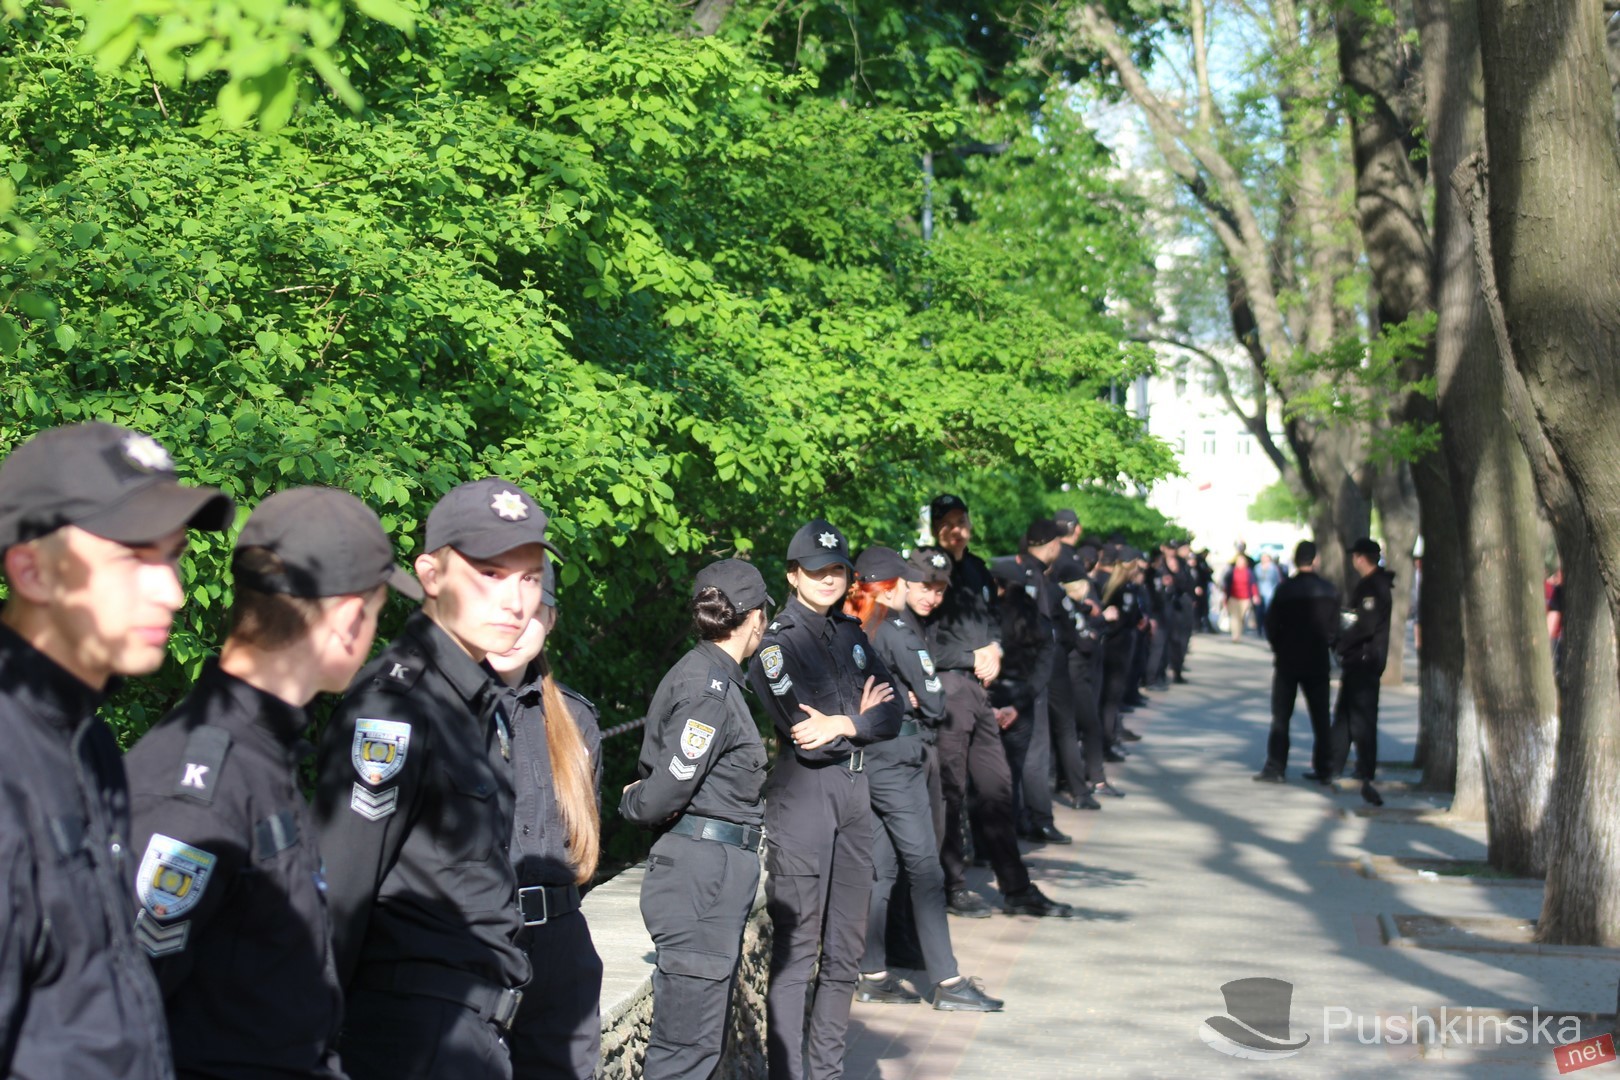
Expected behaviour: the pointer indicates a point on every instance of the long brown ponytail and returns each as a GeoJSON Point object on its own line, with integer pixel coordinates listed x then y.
{"type": "Point", "coordinates": [573, 780]}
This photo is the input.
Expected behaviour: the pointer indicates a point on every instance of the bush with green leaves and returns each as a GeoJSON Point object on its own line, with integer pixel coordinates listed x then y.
{"type": "Point", "coordinates": [656, 280]}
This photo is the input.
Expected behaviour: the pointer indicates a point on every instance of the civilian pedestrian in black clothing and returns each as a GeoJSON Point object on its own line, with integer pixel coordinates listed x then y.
{"type": "Point", "coordinates": [1301, 623]}
{"type": "Point", "coordinates": [1363, 651]}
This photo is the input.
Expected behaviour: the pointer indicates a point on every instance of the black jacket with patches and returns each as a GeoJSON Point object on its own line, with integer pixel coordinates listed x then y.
{"type": "Point", "coordinates": [1364, 642]}
{"type": "Point", "coordinates": [77, 997]}
{"type": "Point", "coordinates": [900, 644]}
{"type": "Point", "coordinates": [966, 618]}
{"type": "Point", "coordinates": [417, 833]}
{"type": "Point", "coordinates": [539, 838]}
{"type": "Point", "coordinates": [822, 661]}
{"type": "Point", "coordinates": [700, 751]}
{"type": "Point", "coordinates": [246, 969]}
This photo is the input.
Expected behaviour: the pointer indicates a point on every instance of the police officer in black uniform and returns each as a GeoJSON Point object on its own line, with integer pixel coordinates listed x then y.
{"type": "Point", "coordinates": [1302, 621]}
{"type": "Point", "coordinates": [898, 779]}
{"type": "Point", "coordinates": [415, 805]}
{"type": "Point", "coordinates": [229, 887]}
{"type": "Point", "coordinates": [558, 1028]}
{"type": "Point", "coordinates": [829, 697]}
{"type": "Point", "coordinates": [1363, 649]}
{"type": "Point", "coordinates": [701, 774]}
{"type": "Point", "coordinates": [92, 526]}
{"type": "Point", "coordinates": [963, 637]}
{"type": "Point", "coordinates": [1085, 664]}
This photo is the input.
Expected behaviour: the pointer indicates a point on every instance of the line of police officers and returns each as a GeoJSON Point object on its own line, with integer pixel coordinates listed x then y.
{"type": "Point", "coordinates": [183, 911]}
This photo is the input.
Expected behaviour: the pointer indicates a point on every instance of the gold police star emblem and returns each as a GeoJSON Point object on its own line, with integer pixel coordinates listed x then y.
{"type": "Point", "coordinates": [509, 505]}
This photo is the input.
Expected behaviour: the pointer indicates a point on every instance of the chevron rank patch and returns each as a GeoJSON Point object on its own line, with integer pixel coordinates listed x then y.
{"type": "Point", "coordinates": [159, 940]}
{"type": "Point", "coordinates": [695, 739]}
{"type": "Point", "coordinates": [681, 772]}
{"type": "Point", "coordinates": [780, 688]}
{"type": "Point", "coordinates": [373, 805]}
{"type": "Point", "coordinates": [172, 877]}
{"type": "Point", "coordinates": [379, 748]}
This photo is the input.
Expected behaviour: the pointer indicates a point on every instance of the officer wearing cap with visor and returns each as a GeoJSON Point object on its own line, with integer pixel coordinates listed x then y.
{"type": "Point", "coordinates": [829, 696]}
{"type": "Point", "coordinates": [229, 880]}
{"type": "Point", "coordinates": [92, 526]}
{"type": "Point", "coordinates": [701, 774]}
{"type": "Point", "coordinates": [415, 806]}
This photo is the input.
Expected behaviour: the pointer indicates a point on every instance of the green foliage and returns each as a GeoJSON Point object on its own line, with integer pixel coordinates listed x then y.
{"type": "Point", "coordinates": [661, 283]}
{"type": "Point", "coordinates": [1277, 503]}
{"type": "Point", "coordinates": [1361, 378]}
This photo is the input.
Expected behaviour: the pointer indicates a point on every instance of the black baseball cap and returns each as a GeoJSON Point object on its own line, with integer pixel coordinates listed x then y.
{"type": "Point", "coordinates": [818, 544]}
{"type": "Point", "coordinates": [108, 480]}
{"type": "Point", "coordinates": [1368, 548]}
{"type": "Point", "coordinates": [943, 505]}
{"type": "Point", "coordinates": [1068, 570]}
{"type": "Point", "coordinates": [1008, 569]}
{"type": "Point", "coordinates": [738, 581]}
{"type": "Point", "coordinates": [1066, 518]}
{"type": "Point", "coordinates": [327, 543]}
{"type": "Point", "coordinates": [934, 564]}
{"type": "Point", "coordinates": [548, 584]}
{"type": "Point", "coordinates": [885, 564]}
{"type": "Point", "coordinates": [1043, 531]}
{"type": "Point", "coordinates": [486, 518]}
{"type": "Point", "coordinates": [1086, 555]}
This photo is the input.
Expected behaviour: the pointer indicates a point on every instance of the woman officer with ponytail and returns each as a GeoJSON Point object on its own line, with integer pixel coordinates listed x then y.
{"type": "Point", "coordinates": [557, 759]}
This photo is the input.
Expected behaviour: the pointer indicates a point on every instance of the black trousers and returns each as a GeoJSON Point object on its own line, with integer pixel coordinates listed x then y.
{"type": "Point", "coordinates": [1181, 632]}
{"type": "Point", "coordinates": [969, 744]}
{"type": "Point", "coordinates": [695, 901]}
{"type": "Point", "coordinates": [390, 1036]}
{"type": "Point", "coordinates": [1116, 666]}
{"type": "Point", "coordinates": [1085, 676]}
{"type": "Point", "coordinates": [1355, 720]}
{"type": "Point", "coordinates": [1159, 649]}
{"type": "Point", "coordinates": [1062, 745]}
{"type": "Point", "coordinates": [1285, 687]}
{"type": "Point", "coordinates": [818, 895]}
{"type": "Point", "coordinates": [904, 807]}
{"type": "Point", "coordinates": [1142, 644]}
{"type": "Point", "coordinates": [1016, 740]}
{"type": "Point", "coordinates": [557, 1033]}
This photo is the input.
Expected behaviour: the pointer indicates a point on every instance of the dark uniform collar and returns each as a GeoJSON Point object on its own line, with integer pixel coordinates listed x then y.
{"type": "Point", "coordinates": [1038, 565]}
{"type": "Point", "coordinates": [530, 690]}
{"type": "Point", "coordinates": [42, 686]}
{"type": "Point", "coordinates": [469, 679]}
{"type": "Point", "coordinates": [281, 720]}
{"type": "Point", "coordinates": [720, 658]}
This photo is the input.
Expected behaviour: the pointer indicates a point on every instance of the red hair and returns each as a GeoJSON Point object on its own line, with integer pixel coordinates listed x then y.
{"type": "Point", "coordinates": [861, 603]}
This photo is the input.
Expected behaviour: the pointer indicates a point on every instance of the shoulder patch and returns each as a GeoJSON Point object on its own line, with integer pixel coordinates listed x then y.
{"type": "Point", "coordinates": [695, 739]}
{"type": "Point", "coordinates": [718, 679]}
{"type": "Point", "coordinates": [379, 749]}
{"type": "Point", "coordinates": [205, 757]}
{"type": "Point", "coordinates": [1369, 603]}
{"type": "Point", "coordinates": [858, 654]}
{"type": "Point", "coordinates": [770, 658]}
{"type": "Point", "coordinates": [927, 662]}
{"type": "Point", "coordinates": [172, 877]}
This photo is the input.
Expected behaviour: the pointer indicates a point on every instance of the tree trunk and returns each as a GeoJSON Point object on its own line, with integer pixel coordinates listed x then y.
{"type": "Point", "coordinates": [1469, 800]}
{"type": "Point", "coordinates": [1398, 514]}
{"type": "Point", "coordinates": [1441, 666]}
{"type": "Point", "coordinates": [1554, 204]}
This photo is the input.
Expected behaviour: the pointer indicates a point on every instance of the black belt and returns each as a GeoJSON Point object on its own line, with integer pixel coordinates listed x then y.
{"type": "Point", "coordinates": [496, 1004]}
{"type": "Point", "coordinates": [746, 837]}
{"type": "Point", "coordinates": [542, 903]}
{"type": "Point", "coordinates": [910, 727]}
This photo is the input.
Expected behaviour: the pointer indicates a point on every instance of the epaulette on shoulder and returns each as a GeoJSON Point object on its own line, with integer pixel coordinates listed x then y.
{"type": "Point", "coordinates": [839, 616]}
{"type": "Point", "coordinates": [570, 692]}
{"type": "Point", "coordinates": [718, 678]}
{"type": "Point", "coordinates": [398, 671]}
{"type": "Point", "coordinates": [206, 748]}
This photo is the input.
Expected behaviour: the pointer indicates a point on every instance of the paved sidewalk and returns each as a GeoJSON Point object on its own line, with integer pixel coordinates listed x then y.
{"type": "Point", "coordinates": [1201, 876]}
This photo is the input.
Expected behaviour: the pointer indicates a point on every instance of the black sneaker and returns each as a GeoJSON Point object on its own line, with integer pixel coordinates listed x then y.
{"type": "Point", "coordinates": [968, 905]}
{"type": "Point", "coordinates": [887, 990]}
{"type": "Point", "coordinates": [966, 996]}
{"type": "Point", "coordinates": [1087, 802]}
{"type": "Point", "coordinates": [1318, 777]}
{"type": "Point", "coordinates": [1031, 901]}
{"type": "Point", "coordinates": [1370, 793]}
{"type": "Point", "coordinates": [1128, 735]}
{"type": "Point", "coordinates": [1270, 774]}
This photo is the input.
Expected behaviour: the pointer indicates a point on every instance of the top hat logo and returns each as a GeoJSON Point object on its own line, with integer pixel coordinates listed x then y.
{"type": "Point", "coordinates": [1256, 1024]}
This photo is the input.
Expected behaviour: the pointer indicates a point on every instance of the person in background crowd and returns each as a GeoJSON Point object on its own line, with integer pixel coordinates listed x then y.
{"type": "Point", "coordinates": [1301, 624]}
{"type": "Point", "coordinates": [1363, 648]}
{"type": "Point", "coordinates": [1555, 616]}
{"type": "Point", "coordinates": [1142, 640]}
{"type": "Point", "coordinates": [1205, 576]}
{"type": "Point", "coordinates": [1085, 665]}
{"type": "Point", "coordinates": [1120, 613]}
{"type": "Point", "coordinates": [556, 840]}
{"type": "Point", "coordinates": [904, 788]}
{"type": "Point", "coordinates": [230, 889]}
{"type": "Point", "coordinates": [92, 525]}
{"type": "Point", "coordinates": [1028, 650]}
{"type": "Point", "coordinates": [700, 786]}
{"type": "Point", "coordinates": [829, 697]}
{"type": "Point", "coordinates": [415, 804]}
{"type": "Point", "coordinates": [1267, 576]}
{"type": "Point", "coordinates": [1071, 530]}
{"type": "Point", "coordinates": [962, 636]}
{"type": "Point", "coordinates": [1183, 586]}
{"type": "Point", "coordinates": [1238, 584]}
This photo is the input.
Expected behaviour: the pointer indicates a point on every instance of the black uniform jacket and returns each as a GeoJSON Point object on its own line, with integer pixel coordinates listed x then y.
{"type": "Point", "coordinates": [77, 997]}
{"type": "Point", "coordinates": [1301, 622]}
{"type": "Point", "coordinates": [539, 840]}
{"type": "Point", "coordinates": [1364, 643]}
{"type": "Point", "coordinates": [822, 661]}
{"type": "Point", "coordinates": [414, 804]}
{"type": "Point", "coordinates": [900, 645]}
{"type": "Point", "coordinates": [701, 751]}
{"type": "Point", "coordinates": [230, 891]}
{"type": "Point", "coordinates": [966, 618]}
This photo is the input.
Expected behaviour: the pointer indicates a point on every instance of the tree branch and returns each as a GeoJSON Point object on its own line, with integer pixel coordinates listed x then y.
{"type": "Point", "coordinates": [1255, 423]}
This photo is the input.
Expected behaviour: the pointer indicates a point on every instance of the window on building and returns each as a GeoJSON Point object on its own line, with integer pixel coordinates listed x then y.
{"type": "Point", "coordinates": [1211, 444]}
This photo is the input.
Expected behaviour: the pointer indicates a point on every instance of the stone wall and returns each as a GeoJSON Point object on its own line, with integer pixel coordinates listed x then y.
{"type": "Point", "coordinates": [613, 910]}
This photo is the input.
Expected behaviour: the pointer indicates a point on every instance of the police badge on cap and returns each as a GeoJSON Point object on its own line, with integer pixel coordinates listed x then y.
{"type": "Point", "coordinates": [818, 544]}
